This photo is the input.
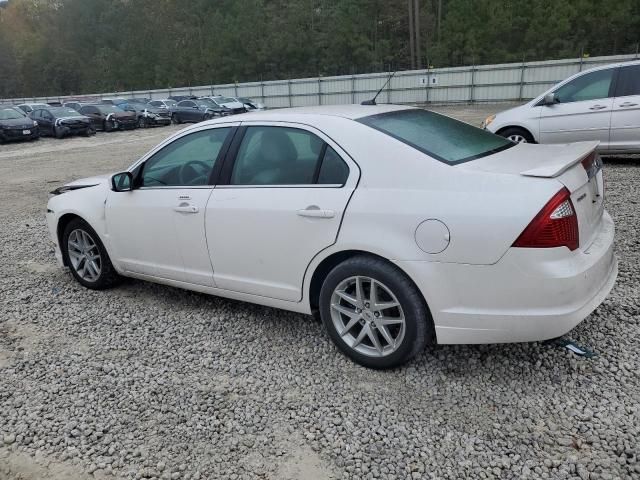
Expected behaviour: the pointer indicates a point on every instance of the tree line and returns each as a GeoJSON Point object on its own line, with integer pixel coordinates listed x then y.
{"type": "Point", "coordinates": [58, 47]}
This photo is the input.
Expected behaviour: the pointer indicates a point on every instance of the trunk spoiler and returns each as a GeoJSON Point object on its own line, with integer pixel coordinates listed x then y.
{"type": "Point", "coordinates": [561, 162]}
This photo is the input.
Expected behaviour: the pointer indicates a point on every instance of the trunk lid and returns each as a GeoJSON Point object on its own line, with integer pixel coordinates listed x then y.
{"type": "Point", "coordinates": [577, 166]}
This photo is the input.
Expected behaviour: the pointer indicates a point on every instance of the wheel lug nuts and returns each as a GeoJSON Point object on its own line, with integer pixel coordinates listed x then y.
{"type": "Point", "coordinates": [366, 305]}
{"type": "Point", "coordinates": [377, 314]}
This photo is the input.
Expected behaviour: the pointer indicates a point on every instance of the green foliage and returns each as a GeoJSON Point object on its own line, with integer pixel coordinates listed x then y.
{"type": "Point", "coordinates": [50, 47]}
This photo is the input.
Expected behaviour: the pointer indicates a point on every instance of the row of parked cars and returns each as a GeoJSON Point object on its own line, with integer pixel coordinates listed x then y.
{"type": "Point", "coordinates": [29, 121]}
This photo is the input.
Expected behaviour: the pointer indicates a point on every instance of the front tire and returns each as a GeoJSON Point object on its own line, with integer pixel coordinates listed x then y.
{"type": "Point", "coordinates": [142, 123]}
{"type": "Point", "coordinates": [517, 135]}
{"type": "Point", "coordinates": [374, 313]}
{"type": "Point", "coordinates": [86, 256]}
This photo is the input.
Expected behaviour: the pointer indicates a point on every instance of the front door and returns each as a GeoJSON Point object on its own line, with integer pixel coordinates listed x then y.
{"type": "Point", "coordinates": [583, 111]}
{"type": "Point", "coordinates": [158, 229]}
{"type": "Point", "coordinates": [281, 204]}
{"type": "Point", "coordinates": [625, 119]}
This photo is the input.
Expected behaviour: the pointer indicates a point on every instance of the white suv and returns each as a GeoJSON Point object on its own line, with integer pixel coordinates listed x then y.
{"type": "Point", "coordinates": [599, 104]}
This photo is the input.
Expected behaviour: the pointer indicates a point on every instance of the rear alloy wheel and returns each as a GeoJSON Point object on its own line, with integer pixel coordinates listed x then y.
{"type": "Point", "coordinates": [175, 120]}
{"type": "Point", "coordinates": [517, 135]}
{"type": "Point", "coordinates": [86, 256]}
{"type": "Point", "coordinates": [374, 313]}
{"type": "Point", "coordinates": [142, 122]}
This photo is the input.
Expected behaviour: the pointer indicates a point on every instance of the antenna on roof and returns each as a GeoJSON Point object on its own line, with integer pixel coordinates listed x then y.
{"type": "Point", "coordinates": [373, 100]}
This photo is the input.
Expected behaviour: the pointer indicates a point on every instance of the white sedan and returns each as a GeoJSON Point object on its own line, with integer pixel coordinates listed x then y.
{"type": "Point", "coordinates": [399, 226]}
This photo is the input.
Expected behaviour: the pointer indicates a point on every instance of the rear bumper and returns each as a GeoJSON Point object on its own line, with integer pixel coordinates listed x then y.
{"type": "Point", "coordinates": [529, 295]}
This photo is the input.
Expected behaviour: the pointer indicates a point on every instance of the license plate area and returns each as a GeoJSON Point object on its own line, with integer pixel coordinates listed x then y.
{"type": "Point", "coordinates": [26, 132]}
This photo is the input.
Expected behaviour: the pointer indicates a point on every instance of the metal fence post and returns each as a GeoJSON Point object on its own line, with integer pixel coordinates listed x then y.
{"type": "Point", "coordinates": [473, 79]}
{"type": "Point", "coordinates": [289, 91]}
{"type": "Point", "coordinates": [522, 67]}
{"type": "Point", "coordinates": [353, 89]}
{"type": "Point", "coordinates": [235, 89]}
{"type": "Point", "coordinates": [319, 91]}
{"type": "Point", "coordinates": [262, 91]}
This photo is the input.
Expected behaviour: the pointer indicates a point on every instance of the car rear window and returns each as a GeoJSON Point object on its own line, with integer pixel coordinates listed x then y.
{"type": "Point", "coordinates": [440, 137]}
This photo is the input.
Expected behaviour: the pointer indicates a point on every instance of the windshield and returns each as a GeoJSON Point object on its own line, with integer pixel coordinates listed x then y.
{"type": "Point", "coordinates": [108, 108]}
{"type": "Point", "coordinates": [440, 137]}
{"type": "Point", "coordinates": [246, 100]}
{"type": "Point", "coordinates": [170, 103]}
{"type": "Point", "coordinates": [62, 111]}
{"type": "Point", "coordinates": [224, 100]}
{"type": "Point", "coordinates": [10, 114]}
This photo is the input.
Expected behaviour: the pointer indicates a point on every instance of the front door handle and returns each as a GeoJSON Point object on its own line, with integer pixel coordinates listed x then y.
{"type": "Point", "coordinates": [314, 211]}
{"type": "Point", "coordinates": [628, 104]}
{"type": "Point", "coordinates": [186, 208]}
{"type": "Point", "coordinates": [597, 107]}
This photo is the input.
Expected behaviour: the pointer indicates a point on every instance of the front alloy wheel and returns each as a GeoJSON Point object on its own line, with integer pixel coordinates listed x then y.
{"type": "Point", "coordinates": [86, 256]}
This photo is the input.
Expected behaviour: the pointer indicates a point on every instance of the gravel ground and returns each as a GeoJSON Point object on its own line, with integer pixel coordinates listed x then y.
{"type": "Point", "coordinates": [147, 381]}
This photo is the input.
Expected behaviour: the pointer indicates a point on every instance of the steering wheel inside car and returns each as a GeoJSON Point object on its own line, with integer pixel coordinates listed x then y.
{"type": "Point", "coordinates": [195, 172]}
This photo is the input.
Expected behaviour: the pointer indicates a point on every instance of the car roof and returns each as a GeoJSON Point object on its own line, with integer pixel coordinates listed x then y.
{"type": "Point", "coordinates": [352, 112]}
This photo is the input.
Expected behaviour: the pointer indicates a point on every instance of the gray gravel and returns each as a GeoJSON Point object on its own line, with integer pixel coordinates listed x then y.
{"type": "Point", "coordinates": [147, 381]}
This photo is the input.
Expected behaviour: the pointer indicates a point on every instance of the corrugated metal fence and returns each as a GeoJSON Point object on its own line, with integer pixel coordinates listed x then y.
{"type": "Point", "coordinates": [481, 83]}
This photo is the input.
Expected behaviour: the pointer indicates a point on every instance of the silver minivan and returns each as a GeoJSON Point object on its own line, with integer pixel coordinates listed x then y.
{"type": "Point", "coordinates": [599, 104]}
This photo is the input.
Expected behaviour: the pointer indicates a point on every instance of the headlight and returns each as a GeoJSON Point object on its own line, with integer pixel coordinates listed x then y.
{"type": "Point", "coordinates": [35, 124]}
{"type": "Point", "coordinates": [488, 120]}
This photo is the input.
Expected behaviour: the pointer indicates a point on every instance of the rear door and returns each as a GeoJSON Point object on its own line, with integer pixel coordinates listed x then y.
{"type": "Point", "coordinates": [625, 119]}
{"type": "Point", "coordinates": [279, 202]}
{"type": "Point", "coordinates": [583, 111]}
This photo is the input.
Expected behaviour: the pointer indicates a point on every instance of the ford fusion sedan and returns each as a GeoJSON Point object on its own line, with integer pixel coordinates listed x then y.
{"type": "Point", "coordinates": [601, 104]}
{"type": "Point", "coordinates": [61, 122]}
{"type": "Point", "coordinates": [109, 117]}
{"type": "Point", "coordinates": [16, 125]}
{"type": "Point", "coordinates": [402, 228]}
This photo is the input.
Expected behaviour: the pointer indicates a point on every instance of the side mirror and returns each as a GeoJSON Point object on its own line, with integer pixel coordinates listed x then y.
{"type": "Point", "coordinates": [122, 182]}
{"type": "Point", "coordinates": [550, 99]}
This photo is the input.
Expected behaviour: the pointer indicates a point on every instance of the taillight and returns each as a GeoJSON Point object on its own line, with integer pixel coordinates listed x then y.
{"type": "Point", "coordinates": [555, 226]}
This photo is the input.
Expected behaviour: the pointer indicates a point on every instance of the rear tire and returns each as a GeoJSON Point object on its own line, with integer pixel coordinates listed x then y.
{"type": "Point", "coordinates": [175, 119]}
{"type": "Point", "coordinates": [108, 126]}
{"type": "Point", "coordinates": [86, 256]}
{"type": "Point", "coordinates": [396, 321]}
{"type": "Point", "coordinates": [517, 135]}
{"type": "Point", "coordinates": [58, 132]}
{"type": "Point", "coordinates": [142, 123]}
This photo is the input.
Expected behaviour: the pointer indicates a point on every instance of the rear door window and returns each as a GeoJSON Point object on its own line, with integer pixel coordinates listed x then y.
{"type": "Point", "coordinates": [439, 136]}
{"type": "Point", "coordinates": [628, 82]}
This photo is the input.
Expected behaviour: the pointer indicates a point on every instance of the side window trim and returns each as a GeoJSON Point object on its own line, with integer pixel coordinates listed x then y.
{"type": "Point", "coordinates": [224, 180]}
{"type": "Point", "coordinates": [213, 176]}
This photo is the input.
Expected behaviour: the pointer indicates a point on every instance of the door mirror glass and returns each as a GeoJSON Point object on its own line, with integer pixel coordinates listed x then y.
{"type": "Point", "coordinates": [550, 99]}
{"type": "Point", "coordinates": [122, 182]}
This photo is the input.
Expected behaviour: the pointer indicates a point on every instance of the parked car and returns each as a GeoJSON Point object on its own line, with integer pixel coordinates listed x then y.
{"type": "Point", "coordinates": [114, 101]}
{"type": "Point", "coordinates": [600, 104]}
{"type": "Point", "coordinates": [62, 122]}
{"type": "Point", "coordinates": [229, 104]}
{"type": "Point", "coordinates": [142, 100]}
{"type": "Point", "coordinates": [402, 227]}
{"type": "Point", "coordinates": [179, 98]}
{"type": "Point", "coordinates": [74, 105]}
{"type": "Point", "coordinates": [195, 111]}
{"type": "Point", "coordinates": [109, 117]}
{"type": "Point", "coordinates": [16, 125]}
{"type": "Point", "coordinates": [166, 103]}
{"type": "Point", "coordinates": [249, 104]}
{"type": "Point", "coordinates": [30, 107]}
{"type": "Point", "coordinates": [147, 115]}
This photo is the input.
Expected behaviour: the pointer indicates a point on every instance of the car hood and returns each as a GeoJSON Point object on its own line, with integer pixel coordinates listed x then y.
{"type": "Point", "coordinates": [17, 122]}
{"type": "Point", "coordinates": [74, 117]}
{"type": "Point", "coordinates": [233, 105]}
{"type": "Point", "coordinates": [83, 183]}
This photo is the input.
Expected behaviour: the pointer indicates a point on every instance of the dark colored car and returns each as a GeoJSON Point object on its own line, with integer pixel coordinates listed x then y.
{"type": "Point", "coordinates": [61, 122]}
{"type": "Point", "coordinates": [142, 100]}
{"type": "Point", "coordinates": [147, 115]}
{"type": "Point", "coordinates": [195, 111]}
{"type": "Point", "coordinates": [16, 125]}
{"type": "Point", "coordinates": [30, 107]}
{"type": "Point", "coordinates": [113, 101]}
{"type": "Point", "coordinates": [109, 117]}
{"type": "Point", "coordinates": [167, 103]}
{"type": "Point", "coordinates": [179, 98]}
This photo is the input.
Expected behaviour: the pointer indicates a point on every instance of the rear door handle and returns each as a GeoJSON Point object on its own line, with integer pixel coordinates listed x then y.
{"type": "Point", "coordinates": [186, 208]}
{"type": "Point", "coordinates": [314, 211]}
{"type": "Point", "coordinates": [628, 104]}
{"type": "Point", "coordinates": [597, 107]}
